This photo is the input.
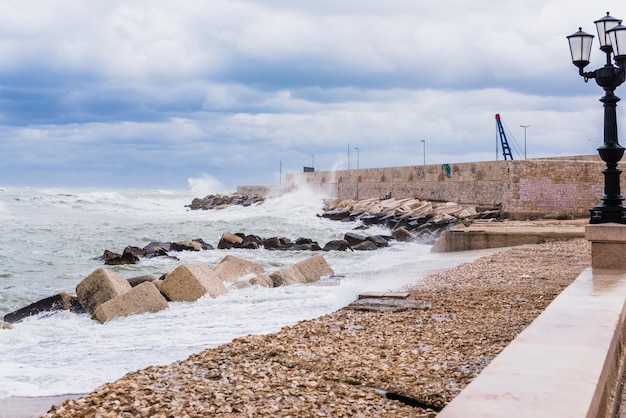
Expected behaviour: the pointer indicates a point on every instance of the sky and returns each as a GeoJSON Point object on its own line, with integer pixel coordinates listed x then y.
{"type": "Point", "coordinates": [176, 94]}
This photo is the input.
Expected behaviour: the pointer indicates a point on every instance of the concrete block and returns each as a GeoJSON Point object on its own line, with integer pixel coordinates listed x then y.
{"type": "Point", "coordinates": [314, 268]}
{"type": "Point", "coordinates": [190, 282]}
{"type": "Point", "coordinates": [608, 245]}
{"type": "Point", "coordinates": [287, 276]}
{"type": "Point", "coordinates": [100, 286]}
{"type": "Point", "coordinates": [262, 280]}
{"type": "Point", "coordinates": [608, 232]}
{"type": "Point", "coordinates": [231, 268]}
{"type": "Point", "coordinates": [142, 298]}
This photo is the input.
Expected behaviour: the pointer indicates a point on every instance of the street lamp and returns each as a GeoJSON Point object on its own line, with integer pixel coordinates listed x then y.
{"type": "Point", "coordinates": [357, 156]}
{"type": "Point", "coordinates": [424, 150]}
{"type": "Point", "coordinates": [524, 126]}
{"type": "Point", "coordinates": [612, 37]}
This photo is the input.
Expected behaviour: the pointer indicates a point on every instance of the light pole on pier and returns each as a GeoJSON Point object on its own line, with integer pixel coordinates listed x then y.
{"type": "Point", "coordinates": [524, 126]}
{"type": "Point", "coordinates": [357, 156]}
{"type": "Point", "coordinates": [424, 150]}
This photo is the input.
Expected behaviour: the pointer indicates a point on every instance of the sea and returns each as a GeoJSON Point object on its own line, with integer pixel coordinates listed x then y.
{"type": "Point", "coordinates": [52, 238]}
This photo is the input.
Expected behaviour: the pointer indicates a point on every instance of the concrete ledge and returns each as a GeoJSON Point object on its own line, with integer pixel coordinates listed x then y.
{"type": "Point", "coordinates": [482, 235]}
{"type": "Point", "coordinates": [566, 363]}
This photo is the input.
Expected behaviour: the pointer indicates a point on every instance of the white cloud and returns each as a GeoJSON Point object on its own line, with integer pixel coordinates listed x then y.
{"type": "Point", "coordinates": [175, 89]}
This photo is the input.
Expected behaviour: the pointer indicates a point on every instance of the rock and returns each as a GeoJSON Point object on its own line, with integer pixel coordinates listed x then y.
{"type": "Point", "coordinates": [157, 246]}
{"type": "Point", "coordinates": [229, 241]}
{"type": "Point", "coordinates": [5, 325]}
{"type": "Point", "coordinates": [108, 255]}
{"type": "Point", "coordinates": [159, 252]}
{"type": "Point", "coordinates": [287, 276]}
{"type": "Point", "coordinates": [186, 246]}
{"type": "Point", "coordinates": [220, 201]}
{"type": "Point", "coordinates": [59, 302]}
{"type": "Point", "coordinates": [251, 242]}
{"type": "Point", "coordinates": [380, 240]}
{"type": "Point", "coordinates": [314, 268]}
{"type": "Point", "coordinates": [403, 235]}
{"type": "Point", "coordinates": [100, 286]}
{"type": "Point", "coordinates": [337, 245]}
{"type": "Point", "coordinates": [129, 256]}
{"type": "Point", "coordinates": [232, 269]}
{"type": "Point", "coordinates": [205, 245]}
{"type": "Point", "coordinates": [136, 251]}
{"type": "Point", "coordinates": [272, 243]}
{"type": "Point", "coordinates": [190, 282]}
{"type": "Point", "coordinates": [142, 298]}
{"type": "Point", "coordinates": [134, 281]}
{"type": "Point", "coordinates": [353, 238]}
{"type": "Point", "coordinates": [365, 246]}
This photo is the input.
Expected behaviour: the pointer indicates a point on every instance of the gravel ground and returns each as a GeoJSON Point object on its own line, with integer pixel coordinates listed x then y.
{"type": "Point", "coordinates": [338, 365]}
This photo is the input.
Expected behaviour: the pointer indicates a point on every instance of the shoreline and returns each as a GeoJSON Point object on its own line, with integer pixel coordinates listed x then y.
{"type": "Point", "coordinates": [332, 364]}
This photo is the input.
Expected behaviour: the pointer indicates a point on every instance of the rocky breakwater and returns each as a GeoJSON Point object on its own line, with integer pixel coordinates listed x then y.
{"type": "Point", "coordinates": [408, 219]}
{"type": "Point", "coordinates": [220, 201]}
{"type": "Point", "coordinates": [351, 241]}
{"type": "Point", "coordinates": [105, 294]}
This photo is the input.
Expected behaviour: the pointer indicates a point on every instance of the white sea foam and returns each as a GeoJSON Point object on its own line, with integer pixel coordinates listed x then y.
{"type": "Point", "coordinates": [55, 235]}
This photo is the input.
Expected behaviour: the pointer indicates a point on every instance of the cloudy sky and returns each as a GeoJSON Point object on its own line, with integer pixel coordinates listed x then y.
{"type": "Point", "coordinates": [164, 94]}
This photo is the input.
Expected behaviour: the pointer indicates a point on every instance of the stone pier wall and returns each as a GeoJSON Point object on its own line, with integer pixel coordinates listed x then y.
{"type": "Point", "coordinates": [567, 185]}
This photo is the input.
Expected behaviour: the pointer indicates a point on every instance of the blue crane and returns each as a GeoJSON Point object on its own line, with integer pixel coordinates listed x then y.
{"type": "Point", "coordinates": [506, 150]}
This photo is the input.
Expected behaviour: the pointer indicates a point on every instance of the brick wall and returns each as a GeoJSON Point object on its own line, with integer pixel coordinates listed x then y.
{"type": "Point", "coordinates": [523, 187]}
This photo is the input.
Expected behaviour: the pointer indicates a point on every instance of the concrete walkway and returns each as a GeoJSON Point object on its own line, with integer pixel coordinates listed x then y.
{"type": "Point", "coordinates": [566, 363]}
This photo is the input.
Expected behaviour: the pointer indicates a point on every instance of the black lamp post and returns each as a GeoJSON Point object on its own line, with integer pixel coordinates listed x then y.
{"type": "Point", "coordinates": [612, 36]}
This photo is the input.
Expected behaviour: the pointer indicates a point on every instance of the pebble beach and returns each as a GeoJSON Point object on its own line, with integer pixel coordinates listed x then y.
{"type": "Point", "coordinates": [343, 364]}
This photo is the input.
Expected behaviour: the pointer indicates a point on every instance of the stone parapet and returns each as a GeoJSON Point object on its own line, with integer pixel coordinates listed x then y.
{"type": "Point", "coordinates": [566, 363]}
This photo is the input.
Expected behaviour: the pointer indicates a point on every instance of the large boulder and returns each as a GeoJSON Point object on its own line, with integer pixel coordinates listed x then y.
{"type": "Point", "coordinates": [190, 282]}
{"type": "Point", "coordinates": [100, 286]}
{"type": "Point", "coordinates": [232, 269]}
{"type": "Point", "coordinates": [59, 302]}
{"type": "Point", "coordinates": [142, 298]}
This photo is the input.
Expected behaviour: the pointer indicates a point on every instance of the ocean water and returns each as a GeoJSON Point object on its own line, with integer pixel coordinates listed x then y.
{"type": "Point", "coordinates": [51, 239]}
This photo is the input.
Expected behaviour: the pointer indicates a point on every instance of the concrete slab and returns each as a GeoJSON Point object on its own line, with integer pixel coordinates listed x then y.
{"type": "Point", "coordinates": [391, 295]}
{"type": "Point", "coordinates": [495, 234]}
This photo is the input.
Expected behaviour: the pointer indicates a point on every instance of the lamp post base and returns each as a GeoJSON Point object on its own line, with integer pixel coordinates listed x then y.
{"type": "Point", "coordinates": [604, 214]}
